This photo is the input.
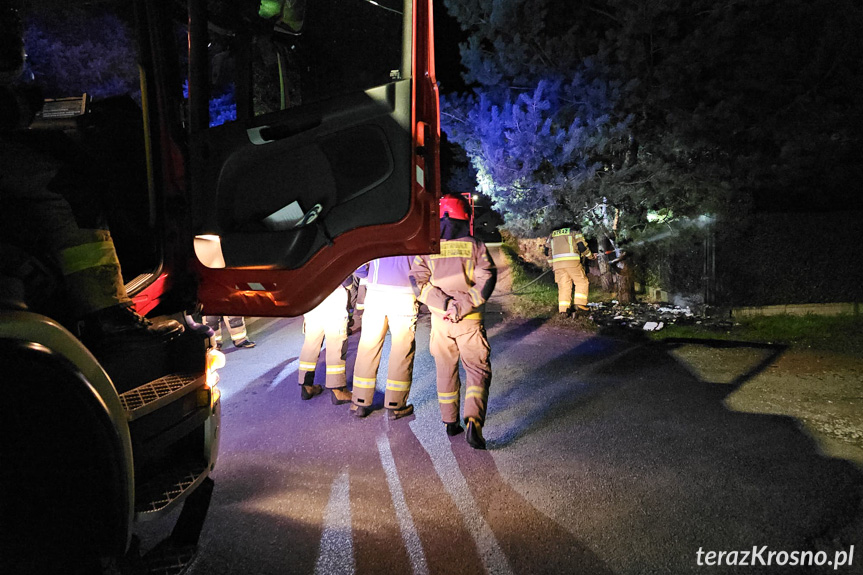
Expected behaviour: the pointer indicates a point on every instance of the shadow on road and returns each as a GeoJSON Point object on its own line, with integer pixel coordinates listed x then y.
{"type": "Point", "coordinates": [655, 452]}
{"type": "Point", "coordinates": [533, 542]}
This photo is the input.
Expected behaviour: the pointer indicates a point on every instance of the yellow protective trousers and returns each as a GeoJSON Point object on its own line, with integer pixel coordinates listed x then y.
{"type": "Point", "coordinates": [329, 320]}
{"type": "Point", "coordinates": [566, 279]}
{"type": "Point", "coordinates": [396, 312]}
{"type": "Point", "coordinates": [466, 340]}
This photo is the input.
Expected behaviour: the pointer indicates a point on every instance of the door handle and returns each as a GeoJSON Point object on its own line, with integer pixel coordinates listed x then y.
{"type": "Point", "coordinates": [266, 134]}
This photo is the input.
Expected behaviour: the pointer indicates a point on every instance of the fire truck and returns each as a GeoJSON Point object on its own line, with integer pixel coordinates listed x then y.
{"type": "Point", "coordinates": [275, 147]}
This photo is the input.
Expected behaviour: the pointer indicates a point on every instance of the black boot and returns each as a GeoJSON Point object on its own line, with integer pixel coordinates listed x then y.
{"type": "Point", "coordinates": [122, 322]}
{"type": "Point", "coordinates": [398, 413]}
{"type": "Point", "coordinates": [309, 391]}
{"type": "Point", "coordinates": [340, 395]}
{"type": "Point", "coordinates": [359, 410]}
{"type": "Point", "coordinates": [453, 429]}
{"type": "Point", "coordinates": [474, 434]}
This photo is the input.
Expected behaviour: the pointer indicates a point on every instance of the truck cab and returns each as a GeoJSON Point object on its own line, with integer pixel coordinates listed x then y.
{"type": "Point", "coordinates": [267, 150]}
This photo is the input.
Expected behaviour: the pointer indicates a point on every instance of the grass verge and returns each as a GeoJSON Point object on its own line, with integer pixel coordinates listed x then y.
{"type": "Point", "coordinates": [840, 334]}
{"type": "Point", "coordinates": [537, 298]}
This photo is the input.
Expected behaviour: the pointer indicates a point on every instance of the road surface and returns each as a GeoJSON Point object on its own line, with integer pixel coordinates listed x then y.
{"type": "Point", "coordinates": [605, 457]}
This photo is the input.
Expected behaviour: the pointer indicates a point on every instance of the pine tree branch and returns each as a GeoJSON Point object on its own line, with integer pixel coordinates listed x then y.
{"type": "Point", "coordinates": [604, 13]}
{"type": "Point", "coordinates": [456, 118]}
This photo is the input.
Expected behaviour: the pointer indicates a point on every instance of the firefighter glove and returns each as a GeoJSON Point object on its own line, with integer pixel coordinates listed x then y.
{"type": "Point", "coordinates": [452, 312]}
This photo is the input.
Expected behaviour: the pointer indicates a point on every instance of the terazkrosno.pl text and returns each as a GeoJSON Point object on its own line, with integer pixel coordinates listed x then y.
{"type": "Point", "coordinates": [762, 556]}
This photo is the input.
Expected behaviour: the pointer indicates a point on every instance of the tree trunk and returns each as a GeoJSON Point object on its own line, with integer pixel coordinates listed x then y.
{"type": "Point", "coordinates": [625, 282]}
{"type": "Point", "coordinates": [606, 274]}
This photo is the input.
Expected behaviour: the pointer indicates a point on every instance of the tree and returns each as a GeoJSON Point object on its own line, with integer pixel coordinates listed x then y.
{"type": "Point", "coordinates": [77, 50]}
{"type": "Point", "coordinates": [636, 116]}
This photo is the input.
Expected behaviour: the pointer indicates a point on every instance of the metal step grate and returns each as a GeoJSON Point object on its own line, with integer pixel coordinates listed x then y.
{"type": "Point", "coordinates": [168, 560]}
{"type": "Point", "coordinates": [140, 400]}
{"type": "Point", "coordinates": [164, 489]}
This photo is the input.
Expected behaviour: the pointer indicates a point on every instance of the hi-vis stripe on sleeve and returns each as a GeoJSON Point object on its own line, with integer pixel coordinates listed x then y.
{"type": "Point", "coordinates": [475, 391]}
{"type": "Point", "coordinates": [334, 369]}
{"type": "Point", "coordinates": [469, 269]}
{"type": "Point", "coordinates": [475, 296]}
{"type": "Point", "coordinates": [447, 397]}
{"type": "Point", "coordinates": [364, 382]}
{"type": "Point", "coordinates": [424, 292]}
{"type": "Point", "coordinates": [307, 366]}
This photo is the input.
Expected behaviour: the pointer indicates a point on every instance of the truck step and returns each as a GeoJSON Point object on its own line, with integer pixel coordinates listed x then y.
{"type": "Point", "coordinates": [167, 489]}
{"type": "Point", "coordinates": [149, 397]}
{"type": "Point", "coordinates": [169, 560]}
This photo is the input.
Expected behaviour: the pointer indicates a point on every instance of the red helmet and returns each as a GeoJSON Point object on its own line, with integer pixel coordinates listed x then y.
{"type": "Point", "coordinates": [456, 207]}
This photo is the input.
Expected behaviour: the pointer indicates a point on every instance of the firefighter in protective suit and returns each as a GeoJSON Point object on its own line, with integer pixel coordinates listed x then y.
{"type": "Point", "coordinates": [390, 304]}
{"type": "Point", "coordinates": [328, 320]}
{"type": "Point", "coordinates": [455, 285]}
{"type": "Point", "coordinates": [236, 325]}
{"type": "Point", "coordinates": [566, 248]}
{"type": "Point", "coordinates": [50, 209]}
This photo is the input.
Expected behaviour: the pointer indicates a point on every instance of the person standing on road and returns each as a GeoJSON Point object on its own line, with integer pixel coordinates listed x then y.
{"type": "Point", "coordinates": [329, 320]}
{"type": "Point", "coordinates": [390, 303]}
{"type": "Point", "coordinates": [236, 325]}
{"type": "Point", "coordinates": [455, 285]}
{"type": "Point", "coordinates": [567, 248]}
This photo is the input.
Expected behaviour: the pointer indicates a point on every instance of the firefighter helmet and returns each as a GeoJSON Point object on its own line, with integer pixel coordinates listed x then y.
{"type": "Point", "coordinates": [456, 207]}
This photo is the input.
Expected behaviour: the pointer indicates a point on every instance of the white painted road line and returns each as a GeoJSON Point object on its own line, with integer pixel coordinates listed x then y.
{"type": "Point", "coordinates": [431, 435]}
{"type": "Point", "coordinates": [337, 545]}
{"type": "Point", "coordinates": [411, 538]}
{"type": "Point", "coordinates": [283, 374]}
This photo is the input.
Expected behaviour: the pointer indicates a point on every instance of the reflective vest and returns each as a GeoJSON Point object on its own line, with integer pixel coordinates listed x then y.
{"type": "Point", "coordinates": [567, 247]}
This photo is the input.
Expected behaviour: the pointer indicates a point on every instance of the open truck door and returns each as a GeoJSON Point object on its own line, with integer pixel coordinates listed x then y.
{"type": "Point", "coordinates": [314, 134]}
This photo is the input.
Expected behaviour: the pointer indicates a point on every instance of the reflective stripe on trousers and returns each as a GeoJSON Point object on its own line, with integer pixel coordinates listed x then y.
{"type": "Point", "coordinates": [566, 279]}
{"type": "Point", "coordinates": [236, 326]}
{"type": "Point", "coordinates": [466, 340]}
{"type": "Point", "coordinates": [396, 312]}
{"type": "Point", "coordinates": [329, 320]}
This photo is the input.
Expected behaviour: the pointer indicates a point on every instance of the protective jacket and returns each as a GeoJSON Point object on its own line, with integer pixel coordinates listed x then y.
{"type": "Point", "coordinates": [390, 305]}
{"type": "Point", "coordinates": [566, 248]}
{"type": "Point", "coordinates": [461, 275]}
{"type": "Point", "coordinates": [455, 285]}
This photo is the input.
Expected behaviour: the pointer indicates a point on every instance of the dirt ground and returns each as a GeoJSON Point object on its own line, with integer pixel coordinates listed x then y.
{"type": "Point", "coordinates": [822, 391]}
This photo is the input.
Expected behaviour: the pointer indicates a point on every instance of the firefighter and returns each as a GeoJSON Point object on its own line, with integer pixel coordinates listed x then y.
{"type": "Point", "coordinates": [455, 285]}
{"type": "Point", "coordinates": [390, 303]}
{"type": "Point", "coordinates": [50, 208]}
{"type": "Point", "coordinates": [328, 320]}
{"type": "Point", "coordinates": [568, 248]}
{"type": "Point", "coordinates": [236, 325]}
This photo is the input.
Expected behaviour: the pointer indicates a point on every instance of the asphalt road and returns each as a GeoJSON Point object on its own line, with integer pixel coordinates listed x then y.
{"type": "Point", "coordinates": [605, 456]}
